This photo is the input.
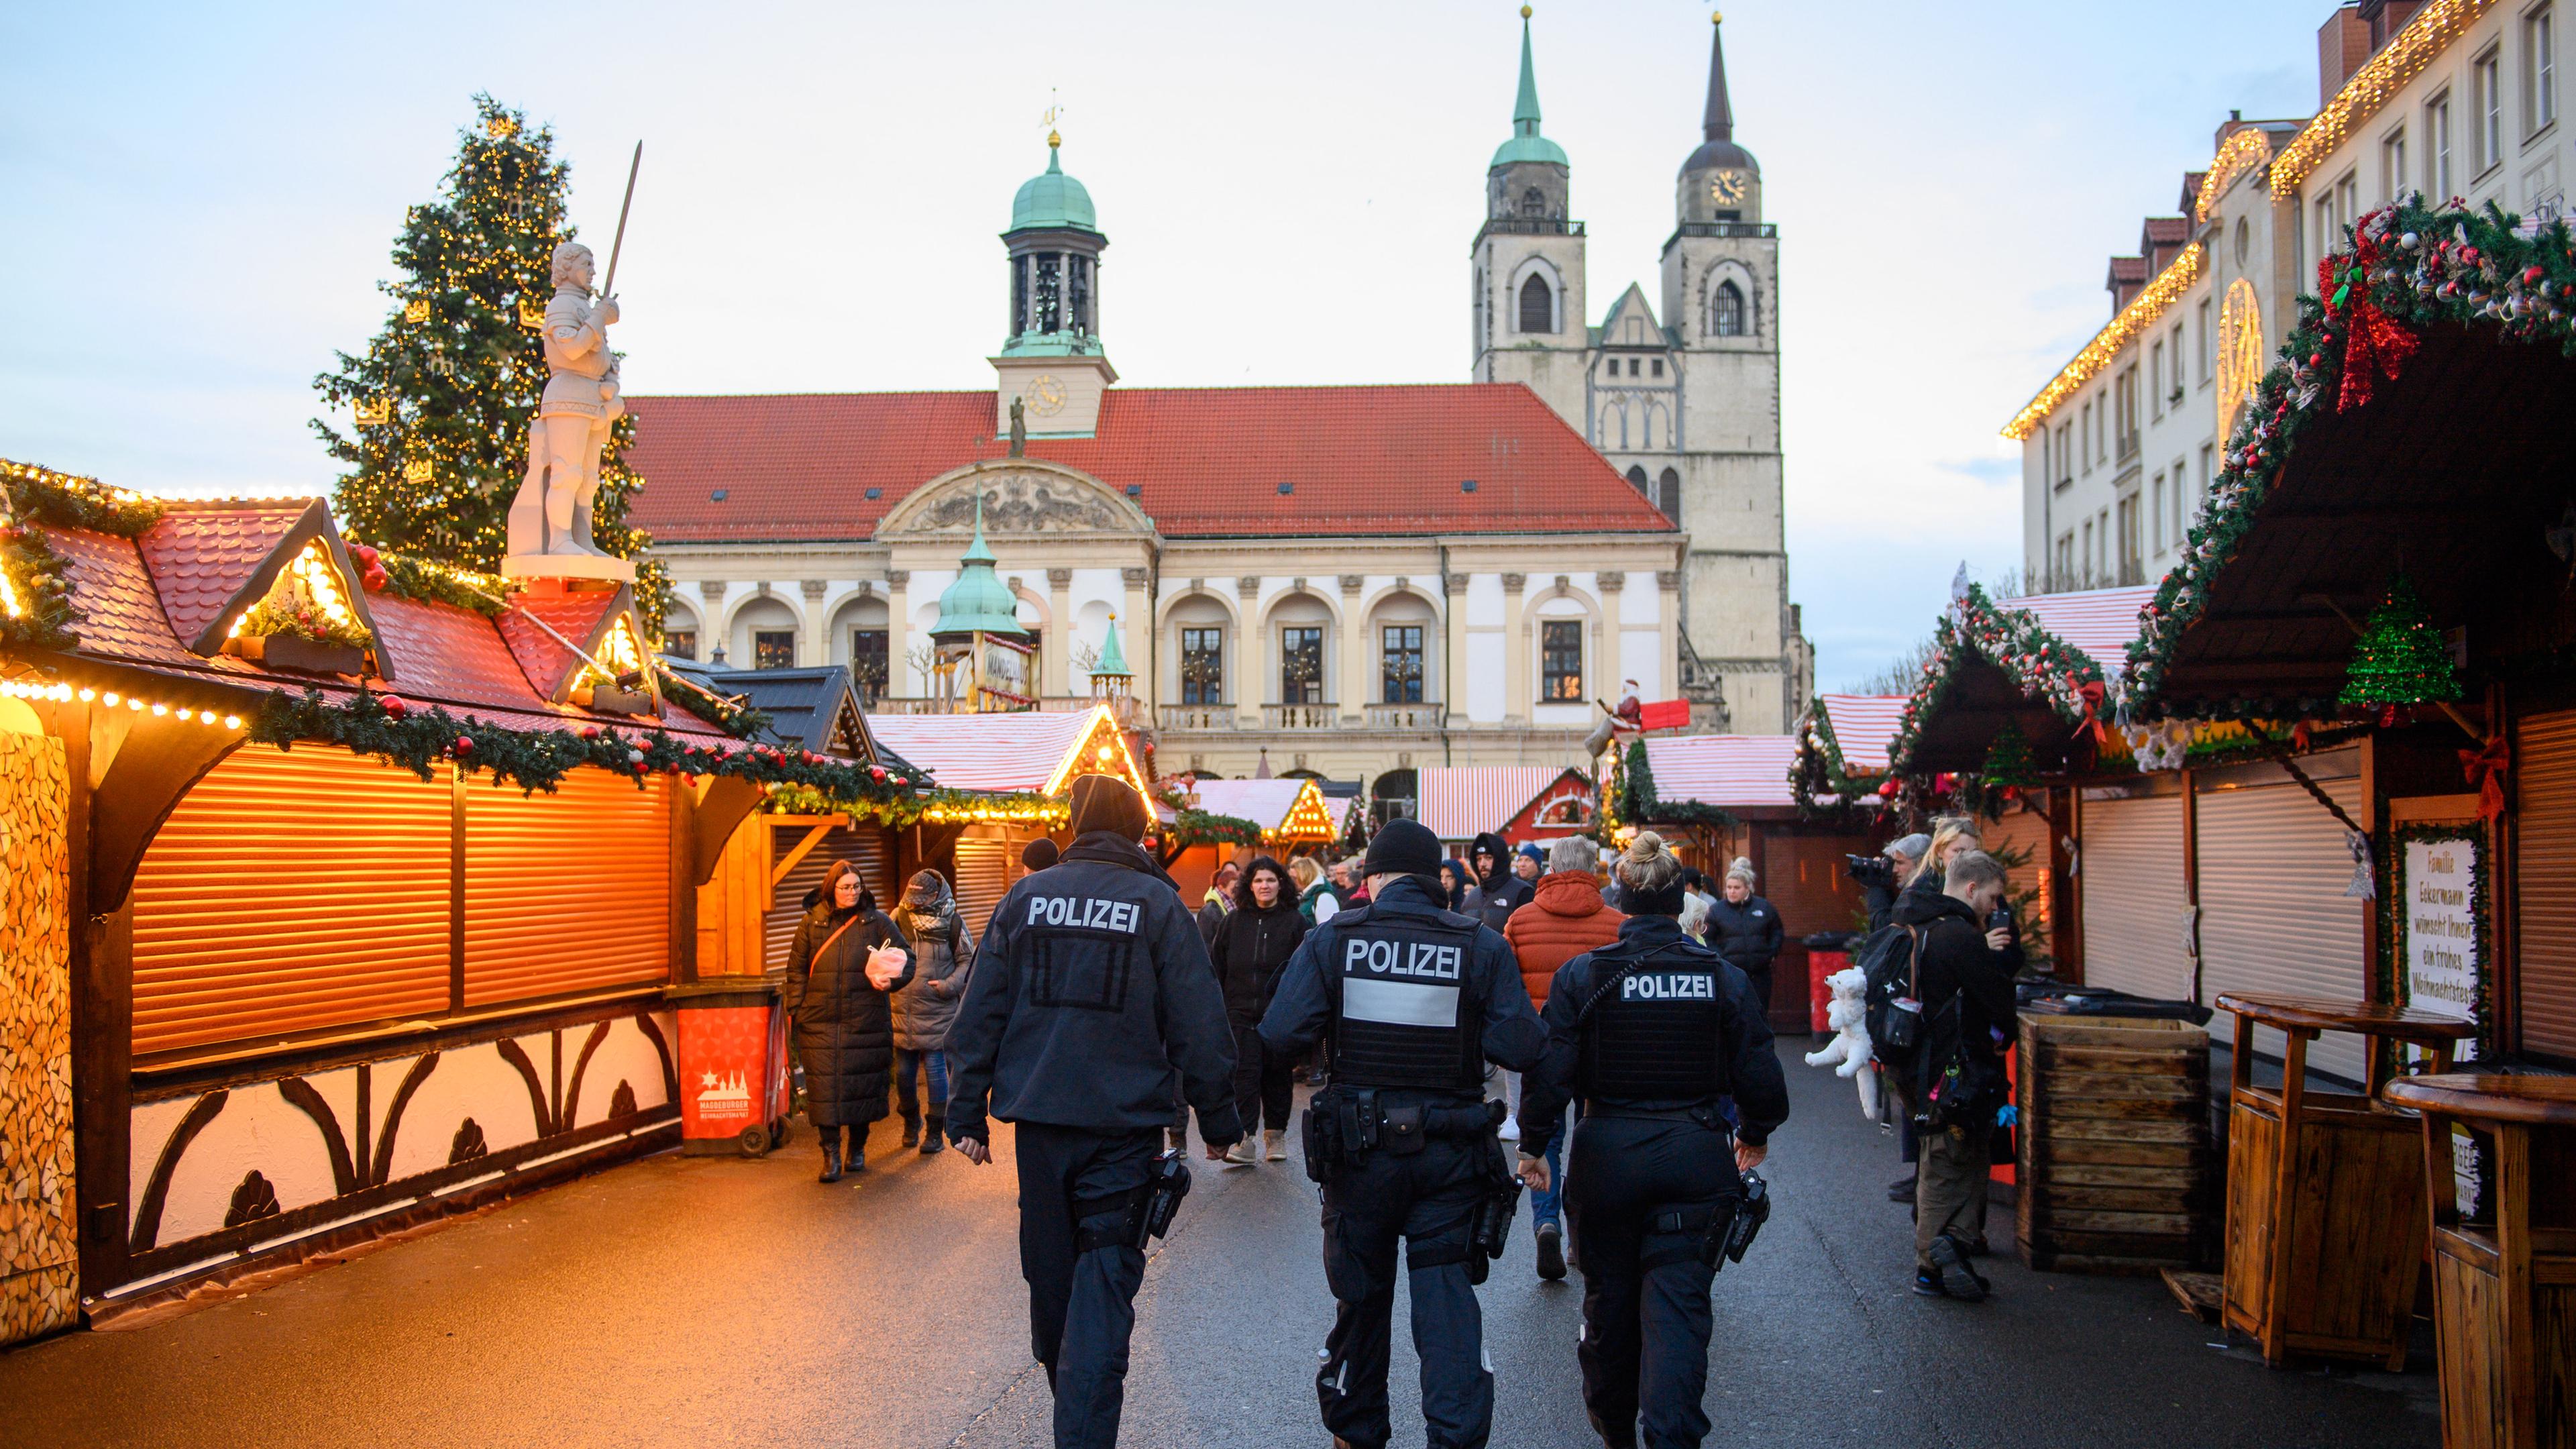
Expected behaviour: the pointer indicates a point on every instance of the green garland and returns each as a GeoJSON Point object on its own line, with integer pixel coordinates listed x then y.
{"type": "Point", "coordinates": [2405, 268]}
{"type": "Point", "coordinates": [419, 740]}
{"type": "Point", "coordinates": [38, 494]}
{"type": "Point", "coordinates": [2393, 901]}
{"type": "Point", "coordinates": [35, 572]}
{"type": "Point", "coordinates": [1201, 827]}
{"type": "Point", "coordinates": [2041, 665]}
{"type": "Point", "coordinates": [428, 583]}
{"type": "Point", "coordinates": [1639, 805]}
{"type": "Point", "coordinates": [1819, 772]}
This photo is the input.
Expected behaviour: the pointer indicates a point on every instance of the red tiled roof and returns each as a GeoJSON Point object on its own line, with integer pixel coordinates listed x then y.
{"type": "Point", "coordinates": [543, 658]}
{"type": "Point", "coordinates": [2171, 231]}
{"type": "Point", "coordinates": [200, 557]}
{"type": "Point", "coordinates": [1209, 461]}
{"type": "Point", "coordinates": [2128, 269]}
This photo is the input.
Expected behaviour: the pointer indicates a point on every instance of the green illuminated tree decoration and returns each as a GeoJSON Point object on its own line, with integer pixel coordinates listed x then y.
{"type": "Point", "coordinates": [444, 395]}
{"type": "Point", "coordinates": [2009, 761]}
{"type": "Point", "coordinates": [2401, 658]}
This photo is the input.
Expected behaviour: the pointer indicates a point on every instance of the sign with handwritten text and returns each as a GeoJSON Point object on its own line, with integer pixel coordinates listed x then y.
{"type": "Point", "coordinates": [2439, 898]}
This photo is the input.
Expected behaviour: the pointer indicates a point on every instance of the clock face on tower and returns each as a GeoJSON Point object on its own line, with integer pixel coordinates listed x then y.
{"type": "Point", "coordinates": [1045, 395]}
{"type": "Point", "coordinates": [1728, 188]}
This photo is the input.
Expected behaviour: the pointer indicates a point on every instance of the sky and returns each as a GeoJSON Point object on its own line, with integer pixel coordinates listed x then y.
{"type": "Point", "coordinates": [200, 202]}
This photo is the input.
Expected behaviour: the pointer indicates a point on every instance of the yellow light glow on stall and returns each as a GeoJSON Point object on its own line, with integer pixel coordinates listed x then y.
{"type": "Point", "coordinates": [1101, 750]}
{"type": "Point", "coordinates": [60, 693]}
{"type": "Point", "coordinates": [1309, 819]}
{"type": "Point", "coordinates": [618, 650]}
{"type": "Point", "coordinates": [9, 603]}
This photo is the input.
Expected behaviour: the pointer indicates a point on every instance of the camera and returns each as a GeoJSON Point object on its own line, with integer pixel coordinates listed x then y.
{"type": "Point", "coordinates": [1871, 870]}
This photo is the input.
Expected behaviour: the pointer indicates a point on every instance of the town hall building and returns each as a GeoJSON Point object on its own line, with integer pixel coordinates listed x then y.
{"type": "Point", "coordinates": [1352, 582]}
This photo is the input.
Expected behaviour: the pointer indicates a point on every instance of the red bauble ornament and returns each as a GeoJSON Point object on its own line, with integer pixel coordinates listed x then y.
{"type": "Point", "coordinates": [876, 772]}
{"type": "Point", "coordinates": [464, 745]}
{"type": "Point", "coordinates": [590, 732]}
{"type": "Point", "coordinates": [394, 705]}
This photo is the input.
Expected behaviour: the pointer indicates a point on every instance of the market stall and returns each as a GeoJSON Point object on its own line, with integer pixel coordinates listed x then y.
{"type": "Point", "coordinates": [1521, 803]}
{"type": "Point", "coordinates": [1286, 816]}
{"type": "Point", "coordinates": [371, 875]}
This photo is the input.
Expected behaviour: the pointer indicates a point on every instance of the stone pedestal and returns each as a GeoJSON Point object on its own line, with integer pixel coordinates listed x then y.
{"type": "Point", "coordinates": [568, 566]}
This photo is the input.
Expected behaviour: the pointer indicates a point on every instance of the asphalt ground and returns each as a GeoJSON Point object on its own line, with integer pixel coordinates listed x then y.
{"type": "Point", "coordinates": [722, 1301]}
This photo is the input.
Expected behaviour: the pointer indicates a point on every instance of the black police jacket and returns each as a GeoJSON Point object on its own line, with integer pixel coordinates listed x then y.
{"type": "Point", "coordinates": [1091, 988]}
{"type": "Point", "coordinates": [1742, 1045]}
{"type": "Point", "coordinates": [1309, 986]}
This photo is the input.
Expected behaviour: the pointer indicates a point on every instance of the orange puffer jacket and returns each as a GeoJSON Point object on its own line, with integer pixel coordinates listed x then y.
{"type": "Point", "coordinates": [1564, 919]}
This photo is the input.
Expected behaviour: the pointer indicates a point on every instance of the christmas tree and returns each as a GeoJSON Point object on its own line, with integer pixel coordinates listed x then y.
{"type": "Point", "coordinates": [2401, 658]}
{"type": "Point", "coordinates": [443, 397]}
{"type": "Point", "coordinates": [2009, 761]}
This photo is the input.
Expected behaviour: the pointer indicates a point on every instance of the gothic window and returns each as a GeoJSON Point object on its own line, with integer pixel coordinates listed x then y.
{"type": "Point", "coordinates": [773, 649]}
{"type": "Point", "coordinates": [1538, 305]}
{"type": "Point", "coordinates": [1203, 666]}
{"type": "Point", "coordinates": [1637, 476]}
{"type": "Point", "coordinates": [1668, 494]}
{"type": "Point", "coordinates": [1729, 311]}
{"type": "Point", "coordinates": [1301, 664]}
{"type": "Point", "coordinates": [1078, 291]}
{"type": "Point", "coordinates": [1533, 202]}
{"type": "Point", "coordinates": [1046, 302]}
{"type": "Point", "coordinates": [1561, 660]}
{"type": "Point", "coordinates": [1400, 663]}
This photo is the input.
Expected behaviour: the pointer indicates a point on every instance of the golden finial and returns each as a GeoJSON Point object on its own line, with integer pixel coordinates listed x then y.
{"type": "Point", "coordinates": [1525, 12]}
{"type": "Point", "coordinates": [1054, 112]}
{"type": "Point", "coordinates": [1717, 17]}
{"type": "Point", "coordinates": [1054, 140]}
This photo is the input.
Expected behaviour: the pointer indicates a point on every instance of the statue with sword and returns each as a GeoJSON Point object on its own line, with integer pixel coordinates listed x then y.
{"type": "Point", "coordinates": [550, 519]}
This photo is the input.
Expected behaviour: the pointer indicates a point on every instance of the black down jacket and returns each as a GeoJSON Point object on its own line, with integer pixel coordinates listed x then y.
{"type": "Point", "coordinates": [844, 1026]}
{"type": "Point", "coordinates": [1749, 935]}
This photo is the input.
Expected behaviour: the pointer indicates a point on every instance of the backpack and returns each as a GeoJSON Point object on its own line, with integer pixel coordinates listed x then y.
{"type": "Point", "coordinates": [1889, 961]}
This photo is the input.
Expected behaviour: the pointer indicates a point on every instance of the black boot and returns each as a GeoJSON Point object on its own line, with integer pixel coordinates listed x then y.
{"type": "Point", "coordinates": [935, 1138]}
{"type": "Point", "coordinates": [858, 1154]}
{"type": "Point", "coordinates": [911, 1130]}
{"type": "Point", "coordinates": [831, 1155]}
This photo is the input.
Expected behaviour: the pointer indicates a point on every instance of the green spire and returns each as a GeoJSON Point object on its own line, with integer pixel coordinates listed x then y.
{"type": "Point", "coordinates": [1526, 144]}
{"type": "Point", "coordinates": [1113, 659]}
{"type": "Point", "coordinates": [978, 602]}
{"type": "Point", "coordinates": [976, 551]}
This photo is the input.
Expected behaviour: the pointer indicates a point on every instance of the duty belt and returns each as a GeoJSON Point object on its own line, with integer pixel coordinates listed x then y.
{"type": "Point", "coordinates": [1705, 1114]}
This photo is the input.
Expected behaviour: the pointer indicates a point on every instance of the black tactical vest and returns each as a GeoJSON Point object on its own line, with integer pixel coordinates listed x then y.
{"type": "Point", "coordinates": [1404, 1013]}
{"type": "Point", "coordinates": [1657, 1033]}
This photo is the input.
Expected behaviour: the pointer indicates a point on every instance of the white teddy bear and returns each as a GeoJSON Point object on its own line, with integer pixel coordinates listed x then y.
{"type": "Point", "coordinates": [1849, 1052]}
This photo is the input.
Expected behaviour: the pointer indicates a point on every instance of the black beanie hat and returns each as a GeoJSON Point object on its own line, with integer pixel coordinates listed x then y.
{"type": "Point", "coordinates": [1040, 853]}
{"type": "Point", "coordinates": [1402, 847]}
{"type": "Point", "coordinates": [1105, 802]}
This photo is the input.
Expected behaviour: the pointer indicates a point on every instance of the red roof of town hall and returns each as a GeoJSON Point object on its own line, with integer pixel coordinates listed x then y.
{"type": "Point", "coordinates": [1209, 461]}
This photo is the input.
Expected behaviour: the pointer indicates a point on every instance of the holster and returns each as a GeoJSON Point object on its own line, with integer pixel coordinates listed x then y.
{"type": "Point", "coordinates": [1320, 1130]}
{"type": "Point", "coordinates": [1702, 1227]}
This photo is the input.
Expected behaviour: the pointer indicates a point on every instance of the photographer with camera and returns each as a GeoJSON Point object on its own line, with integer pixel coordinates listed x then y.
{"type": "Point", "coordinates": [1881, 877]}
{"type": "Point", "coordinates": [1651, 1032]}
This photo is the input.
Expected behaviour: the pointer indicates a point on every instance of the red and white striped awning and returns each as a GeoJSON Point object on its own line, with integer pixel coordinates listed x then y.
{"type": "Point", "coordinates": [1020, 750]}
{"type": "Point", "coordinates": [1728, 771]}
{"type": "Point", "coordinates": [1461, 802]}
{"type": "Point", "coordinates": [2101, 622]}
{"type": "Point", "coordinates": [1864, 725]}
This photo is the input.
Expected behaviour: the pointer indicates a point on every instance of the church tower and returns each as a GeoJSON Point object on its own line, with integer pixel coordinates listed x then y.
{"type": "Point", "coordinates": [1053, 363]}
{"type": "Point", "coordinates": [1527, 314]}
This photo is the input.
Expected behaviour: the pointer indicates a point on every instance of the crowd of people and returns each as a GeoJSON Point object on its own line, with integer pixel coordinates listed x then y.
{"type": "Point", "coordinates": [1444, 1008]}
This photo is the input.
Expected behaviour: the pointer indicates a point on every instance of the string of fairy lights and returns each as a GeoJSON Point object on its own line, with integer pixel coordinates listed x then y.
{"type": "Point", "coordinates": [2134, 319]}
{"type": "Point", "coordinates": [57, 692]}
{"type": "Point", "coordinates": [2246, 149]}
{"type": "Point", "coordinates": [2427, 34]}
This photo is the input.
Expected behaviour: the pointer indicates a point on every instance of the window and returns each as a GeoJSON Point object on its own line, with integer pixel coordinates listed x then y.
{"type": "Point", "coordinates": [2062, 572]}
{"type": "Point", "coordinates": [773, 649]}
{"type": "Point", "coordinates": [2174, 537]}
{"type": "Point", "coordinates": [2437, 147]}
{"type": "Point", "coordinates": [2132, 561]}
{"type": "Point", "coordinates": [2204, 339]}
{"type": "Point", "coordinates": [1560, 659]}
{"type": "Point", "coordinates": [680, 643]}
{"type": "Point", "coordinates": [2208, 454]}
{"type": "Point", "coordinates": [1301, 664]}
{"type": "Point", "coordinates": [2173, 389]}
{"type": "Point", "coordinates": [1637, 476]}
{"type": "Point", "coordinates": [2065, 453]}
{"type": "Point", "coordinates": [1538, 305]}
{"type": "Point", "coordinates": [2539, 70]}
{"type": "Point", "coordinates": [868, 663]}
{"type": "Point", "coordinates": [2088, 553]}
{"type": "Point", "coordinates": [2156, 362]}
{"type": "Point", "coordinates": [2392, 165]}
{"type": "Point", "coordinates": [2087, 419]}
{"type": "Point", "coordinates": [1533, 202]}
{"type": "Point", "coordinates": [1668, 495]}
{"type": "Point", "coordinates": [1400, 663]}
{"type": "Point", "coordinates": [2486, 72]}
{"type": "Point", "coordinates": [1632, 367]}
{"type": "Point", "coordinates": [1727, 313]}
{"type": "Point", "coordinates": [2127, 416]}
{"type": "Point", "coordinates": [1203, 666]}
{"type": "Point", "coordinates": [1658, 367]}
{"type": "Point", "coordinates": [2157, 514]}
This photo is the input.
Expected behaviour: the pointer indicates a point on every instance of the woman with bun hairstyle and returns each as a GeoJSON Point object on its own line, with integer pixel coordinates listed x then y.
{"type": "Point", "coordinates": [1651, 1033]}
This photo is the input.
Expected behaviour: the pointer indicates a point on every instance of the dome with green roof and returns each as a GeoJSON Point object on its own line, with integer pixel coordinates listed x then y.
{"type": "Point", "coordinates": [1053, 199]}
{"type": "Point", "coordinates": [1527, 146]}
{"type": "Point", "coordinates": [979, 602]}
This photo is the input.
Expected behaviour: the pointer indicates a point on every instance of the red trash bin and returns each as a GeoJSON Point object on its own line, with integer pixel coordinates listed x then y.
{"type": "Point", "coordinates": [1821, 964]}
{"type": "Point", "coordinates": [733, 1065]}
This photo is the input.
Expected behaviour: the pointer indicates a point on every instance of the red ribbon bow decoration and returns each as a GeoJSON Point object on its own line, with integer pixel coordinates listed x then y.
{"type": "Point", "coordinates": [2091, 692]}
{"type": "Point", "coordinates": [2486, 769]}
{"type": "Point", "coordinates": [2375, 344]}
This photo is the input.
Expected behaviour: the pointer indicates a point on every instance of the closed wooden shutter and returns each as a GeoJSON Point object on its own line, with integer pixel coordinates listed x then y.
{"type": "Point", "coordinates": [568, 891]}
{"type": "Point", "coordinates": [2023, 834]}
{"type": "Point", "coordinates": [2274, 916]}
{"type": "Point", "coordinates": [1803, 875]}
{"type": "Point", "coordinates": [2130, 871]}
{"type": "Point", "coordinates": [290, 891]}
{"type": "Point", "coordinates": [985, 870]}
{"type": "Point", "coordinates": [2544, 769]}
{"type": "Point", "coordinates": [867, 846]}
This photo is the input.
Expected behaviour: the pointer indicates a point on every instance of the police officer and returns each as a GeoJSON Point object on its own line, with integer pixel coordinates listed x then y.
{"type": "Point", "coordinates": [1413, 1000]}
{"type": "Point", "coordinates": [1091, 989]}
{"type": "Point", "coordinates": [1650, 1031]}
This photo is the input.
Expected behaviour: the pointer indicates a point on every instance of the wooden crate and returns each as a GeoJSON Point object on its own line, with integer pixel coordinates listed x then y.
{"type": "Point", "coordinates": [2116, 1170]}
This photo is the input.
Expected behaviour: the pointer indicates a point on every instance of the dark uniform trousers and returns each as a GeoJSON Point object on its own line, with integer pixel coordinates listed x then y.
{"type": "Point", "coordinates": [1428, 1199]}
{"type": "Point", "coordinates": [1082, 1302]}
{"type": "Point", "coordinates": [1645, 1328]}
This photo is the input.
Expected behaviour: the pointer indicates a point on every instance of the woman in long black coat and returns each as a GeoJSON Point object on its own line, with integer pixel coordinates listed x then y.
{"type": "Point", "coordinates": [847, 961]}
{"type": "Point", "coordinates": [1252, 946]}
